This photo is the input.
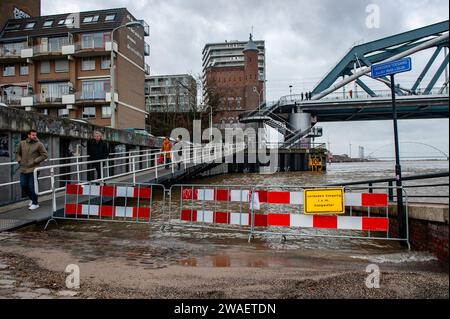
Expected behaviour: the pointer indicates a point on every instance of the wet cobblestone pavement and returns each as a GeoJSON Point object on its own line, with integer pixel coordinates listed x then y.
{"type": "Point", "coordinates": [141, 261]}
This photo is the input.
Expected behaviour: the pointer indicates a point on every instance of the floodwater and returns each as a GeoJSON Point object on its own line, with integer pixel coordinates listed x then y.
{"type": "Point", "coordinates": [146, 256]}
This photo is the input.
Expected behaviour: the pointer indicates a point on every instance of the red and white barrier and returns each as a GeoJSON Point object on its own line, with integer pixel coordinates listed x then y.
{"type": "Point", "coordinates": [379, 224]}
{"type": "Point", "coordinates": [107, 211]}
{"type": "Point", "coordinates": [269, 197]}
{"type": "Point", "coordinates": [109, 191]}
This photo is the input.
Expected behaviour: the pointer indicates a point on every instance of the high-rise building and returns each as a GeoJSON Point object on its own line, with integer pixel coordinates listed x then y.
{"type": "Point", "coordinates": [59, 65]}
{"type": "Point", "coordinates": [171, 93]}
{"type": "Point", "coordinates": [238, 82]}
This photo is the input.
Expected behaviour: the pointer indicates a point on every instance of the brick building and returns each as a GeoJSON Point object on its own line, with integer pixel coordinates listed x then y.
{"type": "Point", "coordinates": [240, 87]}
{"type": "Point", "coordinates": [59, 65]}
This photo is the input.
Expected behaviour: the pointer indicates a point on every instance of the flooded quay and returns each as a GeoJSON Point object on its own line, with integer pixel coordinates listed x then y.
{"type": "Point", "coordinates": [118, 260]}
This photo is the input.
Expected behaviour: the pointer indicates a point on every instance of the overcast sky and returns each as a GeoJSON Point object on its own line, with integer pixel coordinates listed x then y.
{"type": "Point", "coordinates": [304, 39]}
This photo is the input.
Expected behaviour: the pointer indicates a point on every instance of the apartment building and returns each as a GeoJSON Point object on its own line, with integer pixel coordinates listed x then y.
{"type": "Point", "coordinates": [59, 65]}
{"type": "Point", "coordinates": [240, 85]}
{"type": "Point", "coordinates": [170, 93]}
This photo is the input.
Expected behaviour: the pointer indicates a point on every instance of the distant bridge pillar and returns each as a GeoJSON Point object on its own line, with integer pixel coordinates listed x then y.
{"type": "Point", "coordinates": [300, 122]}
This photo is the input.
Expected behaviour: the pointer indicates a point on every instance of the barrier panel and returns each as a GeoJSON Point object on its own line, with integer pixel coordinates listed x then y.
{"type": "Point", "coordinates": [114, 202]}
{"type": "Point", "coordinates": [219, 207]}
{"type": "Point", "coordinates": [283, 211]}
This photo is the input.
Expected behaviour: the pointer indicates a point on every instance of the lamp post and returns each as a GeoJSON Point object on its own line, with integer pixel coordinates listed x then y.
{"type": "Point", "coordinates": [210, 121]}
{"type": "Point", "coordinates": [255, 89]}
{"type": "Point", "coordinates": [113, 70]}
{"type": "Point", "coordinates": [290, 91]}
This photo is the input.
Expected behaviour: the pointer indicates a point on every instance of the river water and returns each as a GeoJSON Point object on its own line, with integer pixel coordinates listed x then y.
{"type": "Point", "coordinates": [348, 172]}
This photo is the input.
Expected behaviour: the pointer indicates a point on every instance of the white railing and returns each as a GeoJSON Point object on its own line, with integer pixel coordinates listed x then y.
{"type": "Point", "coordinates": [133, 165]}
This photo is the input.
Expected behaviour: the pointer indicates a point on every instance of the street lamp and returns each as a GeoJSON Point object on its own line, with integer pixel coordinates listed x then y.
{"type": "Point", "coordinates": [290, 91]}
{"type": "Point", "coordinates": [210, 121]}
{"type": "Point", "coordinates": [113, 70]}
{"type": "Point", "coordinates": [255, 89]}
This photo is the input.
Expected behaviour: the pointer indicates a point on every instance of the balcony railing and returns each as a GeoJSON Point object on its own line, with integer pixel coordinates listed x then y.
{"type": "Point", "coordinates": [147, 69]}
{"type": "Point", "coordinates": [91, 95]}
{"type": "Point", "coordinates": [11, 100]}
{"type": "Point", "coordinates": [16, 52]}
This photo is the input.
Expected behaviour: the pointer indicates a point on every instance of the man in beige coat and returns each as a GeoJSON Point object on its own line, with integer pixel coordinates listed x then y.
{"type": "Point", "coordinates": [30, 153]}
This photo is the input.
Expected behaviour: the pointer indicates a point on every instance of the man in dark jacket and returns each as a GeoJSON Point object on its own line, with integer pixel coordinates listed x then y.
{"type": "Point", "coordinates": [30, 154]}
{"type": "Point", "coordinates": [97, 150]}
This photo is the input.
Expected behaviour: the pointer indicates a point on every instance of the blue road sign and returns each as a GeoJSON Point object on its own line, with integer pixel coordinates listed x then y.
{"type": "Point", "coordinates": [389, 68]}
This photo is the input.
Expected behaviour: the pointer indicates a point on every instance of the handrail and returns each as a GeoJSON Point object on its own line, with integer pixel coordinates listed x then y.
{"type": "Point", "coordinates": [386, 180]}
{"type": "Point", "coordinates": [132, 160]}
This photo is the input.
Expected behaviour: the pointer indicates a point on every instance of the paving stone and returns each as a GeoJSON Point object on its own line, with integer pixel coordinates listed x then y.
{"type": "Point", "coordinates": [27, 284]}
{"type": "Point", "coordinates": [26, 295]}
{"type": "Point", "coordinates": [3, 266]}
{"type": "Point", "coordinates": [45, 297]}
{"type": "Point", "coordinates": [42, 291]}
{"type": "Point", "coordinates": [7, 287]}
{"type": "Point", "coordinates": [67, 293]}
{"type": "Point", "coordinates": [7, 282]}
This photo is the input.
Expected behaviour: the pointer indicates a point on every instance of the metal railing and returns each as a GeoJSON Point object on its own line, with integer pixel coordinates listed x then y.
{"type": "Point", "coordinates": [371, 185]}
{"type": "Point", "coordinates": [131, 165]}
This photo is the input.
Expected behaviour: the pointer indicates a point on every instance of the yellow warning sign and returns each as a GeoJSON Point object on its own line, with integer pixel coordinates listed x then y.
{"type": "Point", "coordinates": [324, 201]}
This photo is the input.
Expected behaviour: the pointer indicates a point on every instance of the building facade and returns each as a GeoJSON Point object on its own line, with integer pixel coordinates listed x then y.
{"type": "Point", "coordinates": [239, 85]}
{"type": "Point", "coordinates": [59, 65]}
{"type": "Point", "coordinates": [170, 93]}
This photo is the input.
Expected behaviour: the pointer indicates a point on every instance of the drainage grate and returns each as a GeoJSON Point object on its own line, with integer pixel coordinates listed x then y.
{"type": "Point", "coordinates": [7, 224]}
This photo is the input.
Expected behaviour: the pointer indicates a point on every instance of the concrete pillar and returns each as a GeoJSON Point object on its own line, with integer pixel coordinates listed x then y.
{"type": "Point", "coordinates": [301, 122]}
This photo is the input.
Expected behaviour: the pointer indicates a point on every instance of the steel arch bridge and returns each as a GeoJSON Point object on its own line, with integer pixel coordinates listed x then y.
{"type": "Point", "coordinates": [328, 105]}
{"type": "Point", "coordinates": [442, 153]}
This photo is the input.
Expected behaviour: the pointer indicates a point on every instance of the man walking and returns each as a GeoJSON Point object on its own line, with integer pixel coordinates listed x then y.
{"type": "Point", "coordinates": [30, 154]}
{"type": "Point", "coordinates": [97, 150]}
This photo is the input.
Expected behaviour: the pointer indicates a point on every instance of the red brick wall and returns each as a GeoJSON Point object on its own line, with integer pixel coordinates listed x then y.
{"type": "Point", "coordinates": [31, 7]}
{"type": "Point", "coordinates": [426, 236]}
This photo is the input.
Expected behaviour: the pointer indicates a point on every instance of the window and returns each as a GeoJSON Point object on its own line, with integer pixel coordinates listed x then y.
{"type": "Point", "coordinates": [9, 70]}
{"type": "Point", "coordinates": [61, 22]}
{"type": "Point", "coordinates": [53, 92]}
{"type": "Point", "coordinates": [95, 90]}
{"type": "Point", "coordinates": [90, 19]}
{"type": "Point", "coordinates": [56, 44]}
{"type": "Point", "coordinates": [64, 113]}
{"type": "Point", "coordinates": [106, 62]}
{"type": "Point", "coordinates": [62, 66]}
{"type": "Point", "coordinates": [12, 27]}
{"type": "Point", "coordinates": [30, 26]}
{"type": "Point", "coordinates": [106, 112]}
{"type": "Point", "coordinates": [43, 111]}
{"type": "Point", "coordinates": [24, 69]}
{"type": "Point", "coordinates": [69, 21]}
{"type": "Point", "coordinates": [110, 17]}
{"type": "Point", "coordinates": [95, 40]}
{"type": "Point", "coordinates": [48, 24]}
{"type": "Point", "coordinates": [88, 64]}
{"type": "Point", "coordinates": [89, 112]}
{"type": "Point", "coordinates": [45, 67]}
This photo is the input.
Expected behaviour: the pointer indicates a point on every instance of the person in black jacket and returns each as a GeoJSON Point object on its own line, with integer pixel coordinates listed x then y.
{"type": "Point", "coordinates": [97, 150]}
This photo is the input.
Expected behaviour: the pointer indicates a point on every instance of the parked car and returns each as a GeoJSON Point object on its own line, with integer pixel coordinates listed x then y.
{"type": "Point", "coordinates": [139, 131]}
{"type": "Point", "coordinates": [3, 105]}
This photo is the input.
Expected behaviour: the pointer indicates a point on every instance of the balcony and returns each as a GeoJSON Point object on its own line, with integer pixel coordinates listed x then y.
{"type": "Point", "coordinates": [12, 54]}
{"type": "Point", "coordinates": [146, 28]}
{"type": "Point", "coordinates": [147, 69]}
{"type": "Point", "coordinates": [146, 49]}
{"type": "Point", "coordinates": [11, 100]}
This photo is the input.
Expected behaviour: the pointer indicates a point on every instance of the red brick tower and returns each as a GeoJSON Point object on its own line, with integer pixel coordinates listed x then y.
{"type": "Point", "coordinates": [253, 85]}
